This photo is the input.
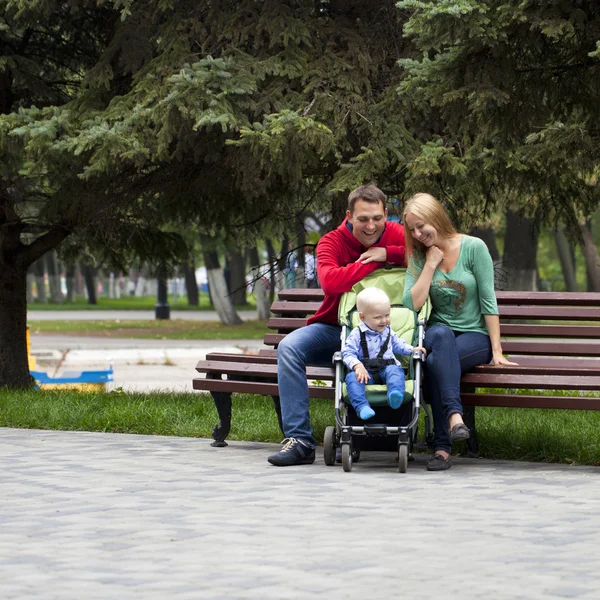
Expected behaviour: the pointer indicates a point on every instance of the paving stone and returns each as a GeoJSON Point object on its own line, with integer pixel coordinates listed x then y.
{"type": "Point", "coordinates": [93, 515]}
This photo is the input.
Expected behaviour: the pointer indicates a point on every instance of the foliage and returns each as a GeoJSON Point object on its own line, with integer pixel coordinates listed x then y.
{"type": "Point", "coordinates": [511, 90]}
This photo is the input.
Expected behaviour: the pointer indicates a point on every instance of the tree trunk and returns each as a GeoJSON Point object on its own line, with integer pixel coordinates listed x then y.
{"type": "Point", "coordinates": [30, 282]}
{"type": "Point", "coordinates": [218, 290]}
{"type": "Point", "coordinates": [563, 247]}
{"type": "Point", "coordinates": [237, 266]}
{"type": "Point", "coordinates": [70, 276]}
{"type": "Point", "coordinates": [53, 277]}
{"type": "Point", "coordinates": [260, 293]}
{"type": "Point", "coordinates": [489, 237]}
{"type": "Point", "coordinates": [272, 270]}
{"type": "Point", "coordinates": [592, 260]}
{"type": "Point", "coordinates": [14, 366]}
{"type": "Point", "coordinates": [339, 206]}
{"type": "Point", "coordinates": [520, 252]}
{"type": "Point", "coordinates": [191, 285]}
{"type": "Point", "coordinates": [90, 283]}
{"type": "Point", "coordinates": [39, 269]}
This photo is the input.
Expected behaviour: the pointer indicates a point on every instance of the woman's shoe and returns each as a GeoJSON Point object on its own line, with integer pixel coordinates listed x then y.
{"type": "Point", "coordinates": [459, 432]}
{"type": "Point", "coordinates": [438, 463]}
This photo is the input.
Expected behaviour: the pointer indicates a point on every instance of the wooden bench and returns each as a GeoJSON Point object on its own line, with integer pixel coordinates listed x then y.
{"type": "Point", "coordinates": [554, 336]}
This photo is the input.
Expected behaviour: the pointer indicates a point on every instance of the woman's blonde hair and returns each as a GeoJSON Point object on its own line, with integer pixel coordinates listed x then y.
{"type": "Point", "coordinates": [428, 209]}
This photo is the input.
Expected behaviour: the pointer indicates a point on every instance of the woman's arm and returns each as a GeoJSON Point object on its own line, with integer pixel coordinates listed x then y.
{"type": "Point", "coordinates": [420, 289]}
{"type": "Point", "coordinates": [492, 323]}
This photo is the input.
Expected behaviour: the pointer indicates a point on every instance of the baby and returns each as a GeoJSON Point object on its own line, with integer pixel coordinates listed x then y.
{"type": "Point", "coordinates": [369, 350]}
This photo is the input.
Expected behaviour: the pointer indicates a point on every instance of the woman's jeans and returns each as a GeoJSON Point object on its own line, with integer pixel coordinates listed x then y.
{"type": "Point", "coordinates": [449, 355]}
{"type": "Point", "coordinates": [392, 376]}
{"type": "Point", "coordinates": [315, 345]}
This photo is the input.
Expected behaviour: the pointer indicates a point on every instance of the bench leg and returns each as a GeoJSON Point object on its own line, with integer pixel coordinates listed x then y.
{"type": "Point", "coordinates": [222, 402]}
{"type": "Point", "coordinates": [472, 442]}
{"type": "Point", "coordinates": [277, 404]}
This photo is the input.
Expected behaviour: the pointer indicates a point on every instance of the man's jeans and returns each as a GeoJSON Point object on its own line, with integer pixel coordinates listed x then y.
{"type": "Point", "coordinates": [312, 345]}
{"type": "Point", "coordinates": [392, 376]}
{"type": "Point", "coordinates": [449, 355]}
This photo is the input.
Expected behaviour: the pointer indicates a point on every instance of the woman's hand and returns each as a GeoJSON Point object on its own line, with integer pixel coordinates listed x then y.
{"type": "Point", "coordinates": [434, 256]}
{"type": "Point", "coordinates": [499, 359]}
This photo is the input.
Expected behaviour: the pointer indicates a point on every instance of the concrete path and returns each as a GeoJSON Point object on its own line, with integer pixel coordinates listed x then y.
{"type": "Point", "coordinates": [130, 315]}
{"type": "Point", "coordinates": [102, 516]}
{"type": "Point", "coordinates": [139, 365]}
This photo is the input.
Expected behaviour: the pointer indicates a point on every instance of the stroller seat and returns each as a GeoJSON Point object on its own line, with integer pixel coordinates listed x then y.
{"type": "Point", "coordinates": [400, 423]}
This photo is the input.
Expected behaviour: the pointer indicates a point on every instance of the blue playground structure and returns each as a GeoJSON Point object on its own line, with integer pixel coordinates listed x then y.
{"type": "Point", "coordinates": [81, 380]}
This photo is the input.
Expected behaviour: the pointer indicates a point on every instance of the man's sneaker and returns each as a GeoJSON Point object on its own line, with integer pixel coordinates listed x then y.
{"type": "Point", "coordinates": [294, 452]}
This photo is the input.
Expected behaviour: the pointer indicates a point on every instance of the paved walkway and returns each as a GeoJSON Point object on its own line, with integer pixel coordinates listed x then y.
{"type": "Point", "coordinates": [98, 516]}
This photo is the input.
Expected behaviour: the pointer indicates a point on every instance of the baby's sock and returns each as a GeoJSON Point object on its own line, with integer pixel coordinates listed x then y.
{"type": "Point", "coordinates": [395, 398]}
{"type": "Point", "coordinates": [366, 412]}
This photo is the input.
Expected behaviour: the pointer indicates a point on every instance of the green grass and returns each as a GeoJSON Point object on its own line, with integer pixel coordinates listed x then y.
{"type": "Point", "coordinates": [178, 329]}
{"type": "Point", "coordinates": [133, 303]}
{"type": "Point", "coordinates": [571, 437]}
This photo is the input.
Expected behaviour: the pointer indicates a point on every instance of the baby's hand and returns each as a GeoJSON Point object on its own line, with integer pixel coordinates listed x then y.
{"type": "Point", "coordinates": [362, 375]}
{"type": "Point", "coordinates": [421, 349]}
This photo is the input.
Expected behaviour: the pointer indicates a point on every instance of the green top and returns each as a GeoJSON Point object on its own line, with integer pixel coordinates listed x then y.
{"type": "Point", "coordinates": [461, 297]}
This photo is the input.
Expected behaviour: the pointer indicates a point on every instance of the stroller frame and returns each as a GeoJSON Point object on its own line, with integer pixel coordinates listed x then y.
{"type": "Point", "coordinates": [341, 435]}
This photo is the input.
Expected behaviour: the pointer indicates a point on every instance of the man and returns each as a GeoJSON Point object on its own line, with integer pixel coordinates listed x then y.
{"type": "Point", "coordinates": [310, 274]}
{"type": "Point", "coordinates": [363, 243]}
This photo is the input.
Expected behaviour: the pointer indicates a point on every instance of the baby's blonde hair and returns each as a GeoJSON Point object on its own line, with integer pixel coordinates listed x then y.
{"type": "Point", "coordinates": [369, 297]}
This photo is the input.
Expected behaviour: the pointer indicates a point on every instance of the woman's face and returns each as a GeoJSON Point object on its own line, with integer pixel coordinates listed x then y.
{"type": "Point", "coordinates": [421, 231]}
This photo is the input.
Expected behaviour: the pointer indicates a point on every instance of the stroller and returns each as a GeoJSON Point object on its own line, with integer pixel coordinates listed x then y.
{"type": "Point", "coordinates": [401, 424]}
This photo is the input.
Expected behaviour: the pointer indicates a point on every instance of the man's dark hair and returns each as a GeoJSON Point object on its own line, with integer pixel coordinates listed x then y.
{"type": "Point", "coordinates": [367, 193]}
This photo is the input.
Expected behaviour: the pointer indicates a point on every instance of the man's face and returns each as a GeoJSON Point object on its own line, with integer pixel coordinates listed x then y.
{"type": "Point", "coordinates": [368, 221]}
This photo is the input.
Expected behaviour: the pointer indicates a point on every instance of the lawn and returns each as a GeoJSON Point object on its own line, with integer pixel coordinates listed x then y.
{"type": "Point", "coordinates": [172, 329]}
{"type": "Point", "coordinates": [133, 303]}
{"type": "Point", "coordinates": [571, 437]}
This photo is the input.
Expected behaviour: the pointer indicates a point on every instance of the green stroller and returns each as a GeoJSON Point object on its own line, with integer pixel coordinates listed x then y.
{"type": "Point", "coordinates": [401, 423]}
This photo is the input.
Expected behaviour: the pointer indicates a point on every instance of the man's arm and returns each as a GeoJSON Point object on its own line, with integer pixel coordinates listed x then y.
{"type": "Point", "coordinates": [334, 277]}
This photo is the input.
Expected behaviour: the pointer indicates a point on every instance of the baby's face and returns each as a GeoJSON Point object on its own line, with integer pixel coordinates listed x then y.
{"type": "Point", "coordinates": [376, 316]}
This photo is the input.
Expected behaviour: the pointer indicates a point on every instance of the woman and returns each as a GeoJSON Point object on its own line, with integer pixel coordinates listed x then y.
{"type": "Point", "coordinates": [457, 272]}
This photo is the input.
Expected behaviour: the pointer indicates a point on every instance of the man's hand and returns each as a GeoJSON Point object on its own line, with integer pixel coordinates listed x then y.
{"type": "Point", "coordinates": [362, 375]}
{"type": "Point", "coordinates": [373, 255]}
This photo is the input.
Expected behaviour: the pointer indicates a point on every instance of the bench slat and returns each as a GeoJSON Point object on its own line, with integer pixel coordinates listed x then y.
{"type": "Point", "coordinates": [243, 358]}
{"type": "Point", "coordinates": [303, 294]}
{"type": "Point", "coordinates": [254, 387]}
{"type": "Point", "coordinates": [541, 330]}
{"type": "Point", "coordinates": [285, 307]}
{"type": "Point", "coordinates": [526, 401]}
{"type": "Point", "coordinates": [287, 323]}
{"type": "Point", "coordinates": [251, 369]}
{"type": "Point", "coordinates": [549, 298]}
{"type": "Point", "coordinates": [543, 382]}
{"type": "Point", "coordinates": [539, 368]}
{"type": "Point", "coordinates": [551, 348]}
{"type": "Point", "coordinates": [561, 313]}
{"type": "Point", "coordinates": [553, 361]}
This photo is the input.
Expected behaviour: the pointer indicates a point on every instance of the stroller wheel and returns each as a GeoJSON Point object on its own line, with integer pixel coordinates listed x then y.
{"type": "Point", "coordinates": [347, 457]}
{"type": "Point", "coordinates": [402, 458]}
{"type": "Point", "coordinates": [329, 446]}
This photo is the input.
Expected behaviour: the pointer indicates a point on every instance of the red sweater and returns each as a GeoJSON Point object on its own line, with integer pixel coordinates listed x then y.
{"type": "Point", "coordinates": [338, 270]}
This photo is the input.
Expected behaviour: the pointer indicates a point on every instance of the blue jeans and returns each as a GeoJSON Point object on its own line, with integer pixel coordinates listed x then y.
{"type": "Point", "coordinates": [312, 345]}
{"type": "Point", "coordinates": [392, 376]}
{"type": "Point", "coordinates": [449, 355]}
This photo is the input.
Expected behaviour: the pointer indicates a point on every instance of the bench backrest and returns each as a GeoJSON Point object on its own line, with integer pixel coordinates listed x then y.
{"type": "Point", "coordinates": [536, 327]}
